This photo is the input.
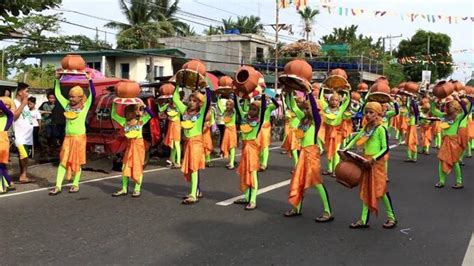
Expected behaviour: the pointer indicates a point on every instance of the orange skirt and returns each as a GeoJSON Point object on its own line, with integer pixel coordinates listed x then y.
{"type": "Point", "coordinates": [394, 122]}
{"type": "Point", "coordinates": [207, 140]}
{"type": "Point", "coordinates": [173, 133]}
{"type": "Point", "coordinates": [134, 159]}
{"type": "Point", "coordinates": [291, 142]}
{"type": "Point", "coordinates": [373, 184]}
{"type": "Point", "coordinates": [307, 174]}
{"type": "Point", "coordinates": [449, 153]}
{"type": "Point", "coordinates": [265, 135]}
{"type": "Point", "coordinates": [403, 124]}
{"type": "Point", "coordinates": [470, 128]}
{"type": "Point", "coordinates": [73, 154]}
{"type": "Point", "coordinates": [436, 127]}
{"type": "Point", "coordinates": [249, 162]}
{"type": "Point", "coordinates": [412, 138]}
{"type": "Point", "coordinates": [194, 157]}
{"type": "Point", "coordinates": [426, 135]}
{"type": "Point", "coordinates": [346, 127]}
{"type": "Point", "coordinates": [229, 140]}
{"type": "Point", "coordinates": [4, 147]}
{"type": "Point", "coordinates": [463, 134]}
{"type": "Point", "coordinates": [333, 138]}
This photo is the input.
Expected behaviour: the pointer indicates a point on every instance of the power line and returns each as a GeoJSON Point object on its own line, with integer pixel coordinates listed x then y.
{"type": "Point", "coordinates": [216, 8]}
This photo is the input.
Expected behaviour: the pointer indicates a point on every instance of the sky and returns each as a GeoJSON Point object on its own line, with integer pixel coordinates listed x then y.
{"type": "Point", "coordinates": [461, 33]}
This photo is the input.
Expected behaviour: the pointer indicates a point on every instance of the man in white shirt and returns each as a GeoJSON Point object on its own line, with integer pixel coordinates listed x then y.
{"type": "Point", "coordinates": [23, 128]}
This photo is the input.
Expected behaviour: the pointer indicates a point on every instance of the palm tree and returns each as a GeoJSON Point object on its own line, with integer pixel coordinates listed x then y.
{"type": "Point", "coordinates": [212, 31]}
{"type": "Point", "coordinates": [249, 24]}
{"type": "Point", "coordinates": [164, 10]}
{"type": "Point", "coordinates": [187, 31]}
{"type": "Point", "coordinates": [308, 16]}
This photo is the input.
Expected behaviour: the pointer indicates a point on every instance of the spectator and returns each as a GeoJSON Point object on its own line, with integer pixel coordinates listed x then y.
{"type": "Point", "coordinates": [35, 114]}
{"type": "Point", "coordinates": [59, 122]}
{"type": "Point", "coordinates": [46, 110]}
{"type": "Point", "coordinates": [7, 93]}
{"type": "Point", "coordinates": [23, 128]}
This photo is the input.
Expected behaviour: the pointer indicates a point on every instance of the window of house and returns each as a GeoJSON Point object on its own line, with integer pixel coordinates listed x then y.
{"type": "Point", "coordinates": [94, 65]}
{"type": "Point", "coordinates": [260, 54]}
{"type": "Point", "coordinates": [125, 71]}
{"type": "Point", "coordinates": [157, 70]}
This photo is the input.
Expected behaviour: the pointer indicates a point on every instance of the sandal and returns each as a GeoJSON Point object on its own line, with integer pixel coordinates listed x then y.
{"type": "Point", "coordinates": [74, 189]}
{"type": "Point", "coordinates": [200, 195]}
{"type": "Point", "coordinates": [136, 194]}
{"type": "Point", "coordinates": [292, 213]}
{"type": "Point", "coordinates": [54, 191]}
{"type": "Point", "coordinates": [11, 188]}
{"type": "Point", "coordinates": [326, 172]}
{"type": "Point", "coordinates": [325, 218]}
{"type": "Point", "coordinates": [209, 164]}
{"type": "Point", "coordinates": [389, 224]}
{"type": "Point", "coordinates": [333, 175]}
{"type": "Point", "coordinates": [119, 193]}
{"type": "Point", "coordinates": [189, 200]}
{"type": "Point", "coordinates": [250, 207]}
{"type": "Point", "coordinates": [358, 225]}
{"type": "Point", "coordinates": [241, 201]}
{"type": "Point", "coordinates": [439, 185]}
{"type": "Point", "coordinates": [458, 186]}
{"type": "Point", "coordinates": [262, 169]}
{"type": "Point", "coordinates": [230, 167]}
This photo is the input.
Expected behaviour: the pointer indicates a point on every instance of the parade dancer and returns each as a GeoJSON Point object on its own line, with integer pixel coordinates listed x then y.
{"type": "Point", "coordinates": [6, 121]}
{"type": "Point", "coordinates": [307, 171]}
{"type": "Point", "coordinates": [450, 150]}
{"type": "Point", "coordinates": [373, 183]}
{"type": "Point", "coordinates": [207, 136]}
{"type": "Point", "coordinates": [229, 140]}
{"type": "Point", "coordinates": [250, 161]}
{"type": "Point", "coordinates": [464, 132]}
{"type": "Point", "coordinates": [333, 115]}
{"type": "Point", "coordinates": [426, 128]}
{"type": "Point", "coordinates": [411, 137]}
{"type": "Point", "coordinates": [134, 157]}
{"type": "Point", "coordinates": [73, 150]}
{"type": "Point", "coordinates": [193, 115]}
{"type": "Point", "coordinates": [290, 143]}
{"type": "Point", "coordinates": [265, 135]}
{"type": "Point", "coordinates": [173, 133]}
{"type": "Point", "coordinates": [402, 120]}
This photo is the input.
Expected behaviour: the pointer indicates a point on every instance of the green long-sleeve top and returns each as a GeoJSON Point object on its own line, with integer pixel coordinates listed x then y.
{"type": "Point", "coordinates": [77, 126]}
{"type": "Point", "coordinates": [377, 144]}
{"type": "Point", "coordinates": [268, 112]}
{"type": "Point", "coordinates": [453, 125]}
{"type": "Point", "coordinates": [6, 119]}
{"type": "Point", "coordinates": [254, 123]}
{"type": "Point", "coordinates": [465, 120]}
{"type": "Point", "coordinates": [309, 127]}
{"type": "Point", "coordinates": [197, 119]}
{"type": "Point", "coordinates": [424, 118]}
{"type": "Point", "coordinates": [172, 113]}
{"type": "Point", "coordinates": [290, 115]}
{"type": "Point", "coordinates": [232, 114]}
{"type": "Point", "coordinates": [394, 111]}
{"type": "Point", "coordinates": [339, 113]}
{"type": "Point", "coordinates": [129, 128]}
{"type": "Point", "coordinates": [413, 112]}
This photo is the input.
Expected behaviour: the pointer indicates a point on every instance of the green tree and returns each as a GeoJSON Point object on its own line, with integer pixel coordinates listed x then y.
{"type": "Point", "coordinates": [187, 30]}
{"type": "Point", "coordinates": [245, 24]}
{"type": "Point", "coordinates": [165, 11]}
{"type": "Point", "coordinates": [308, 17]}
{"type": "Point", "coordinates": [417, 46]}
{"type": "Point", "coordinates": [212, 31]}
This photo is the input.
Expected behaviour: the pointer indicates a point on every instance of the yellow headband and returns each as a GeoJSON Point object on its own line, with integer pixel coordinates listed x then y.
{"type": "Point", "coordinates": [198, 96]}
{"type": "Point", "coordinates": [336, 95]}
{"type": "Point", "coordinates": [374, 106]}
{"type": "Point", "coordinates": [76, 91]}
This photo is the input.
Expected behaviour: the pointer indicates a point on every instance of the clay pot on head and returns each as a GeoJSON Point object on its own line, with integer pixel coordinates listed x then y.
{"type": "Point", "coordinates": [127, 89]}
{"type": "Point", "coordinates": [394, 91]}
{"type": "Point", "coordinates": [225, 82]}
{"type": "Point", "coordinates": [457, 85]}
{"type": "Point", "coordinates": [196, 66]}
{"type": "Point", "coordinates": [380, 87]}
{"type": "Point", "coordinates": [469, 90]}
{"type": "Point", "coordinates": [348, 174]}
{"type": "Point", "coordinates": [355, 96]}
{"type": "Point", "coordinates": [362, 86]}
{"type": "Point", "coordinates": [401, 86]}
{"type": "Point", "coordinates": [338, 72]}
{"type": "Point", "coordinates": [443, 89]}
{"type": "Point", "coordinates": [299, 68]}
{"type": "Point", "coordinates": [382, 79]}
{"type": "Point", "coordinates": [167, 89]}
{"type": "Point", "coordinates": [411, 87]}
{"type": "Point", "coordinates": [73, 62]}
{"type": "Point", "coordinates": [246, 79]}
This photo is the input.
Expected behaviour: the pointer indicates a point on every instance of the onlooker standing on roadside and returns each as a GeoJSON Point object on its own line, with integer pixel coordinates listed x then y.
{"type": "Point", "coordinates": [35, 114]}
{"type": "Point", "coordinates": [23, 128]}
{"type": "Point", "coordinates": [46, 110]}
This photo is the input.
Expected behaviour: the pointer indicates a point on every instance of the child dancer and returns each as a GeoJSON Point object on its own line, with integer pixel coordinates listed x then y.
{"type": "Point", "coordinates": [207, 136]}
{"type": "Point", "coordinates": [193, 116]}
{"type": "Point", "coordinates": [290, 143]}
{"type": "Point", "coordinates": [73, 150]}
{"type": "Point", "coordinates": [265, 135]}
{"type": "Point", "coordinates": [333, 115]}
{"type": "Point", "coordinates": [464, 132]}
{"type": "Point", "coordinates": [229, 141]}
{"type": "Point", "coordinates": [402, 120]}
{"type": "Point", "coordinates": [134, 158]}
{"type": "Point", "coordinates": [173, 133]}
{"type": "Point", "coordinates": [373, 184]}
{"type": "Point", "coordinates": [426, 128]}
{"type": "Point", "coordinates": [307, 172]}
{"type": "Point", "coordinates": [6, 120]}
{"type": "Point", "coordinates": [450, 150]}
{"type": "Point", "coordinates": [250, 161]}
{"type": "Point", "coordinates": [411, 138]}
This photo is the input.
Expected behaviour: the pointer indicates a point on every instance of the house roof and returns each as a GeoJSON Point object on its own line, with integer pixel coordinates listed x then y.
{"type": "Point", "coordinates": [112, 52]}
{"type": "Point", "coordinates": [8, 84]}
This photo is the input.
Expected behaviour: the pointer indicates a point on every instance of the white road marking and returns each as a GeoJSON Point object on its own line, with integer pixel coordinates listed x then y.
{"type": "Point", "coordinates": [469, 257]}
{"type": "Point", "coordinates": [260, 191]}
{"type": "Point", "coordinates": [100, 179]}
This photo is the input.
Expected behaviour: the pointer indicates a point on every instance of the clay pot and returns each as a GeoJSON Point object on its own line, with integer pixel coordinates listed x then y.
{"type": "Point", "coordinates": [443, 89]}
{"type": "Point", "coordinates": [316, 89]}
{"type": "Point", "coordinates": [127, 89]}
{"type": "Point", "coordinates": [338, 72]}
{"type": "Point", "coordinates": [355, 96]}
{"type": "Point", "coordinates": [225, 82]}
{"type": "Point", "coordinates": [411, 87]}
{"type": "Point", "coordinates": [167, 89]}
{"type": "Point", "coordinates": [382, 79]}
{"type": "Point", "coordinates": [394, 91]}
{"type": "Point", "coordinates": [73, 62]}
{"type": "Point", "coordinates": [348, 174]}
{"type": "Point", "coordinates": [469, 90]}
{"type": "Point", "coordinates": [401, 85]}
{"type": "Point", "coordinates": [362, 86]}
{"type": "Point", "coordinates": [246, 79]}
{"type": "Point", "coordinates": [457, 85]}
{"type": "Point", "coordinates": [380, 87]}
{"type": "Point", "coordinates": [299, 68]}
{"type": "Point", "coordinates": [196, 66]}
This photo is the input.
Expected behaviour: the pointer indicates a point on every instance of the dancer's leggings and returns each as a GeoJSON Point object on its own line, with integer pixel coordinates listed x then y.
{"type": "Point", "coordinates": [438, 140]}
{"type": "Point", "coordinates": [294, 155]}
{"type": "Point", "coordinates": [125, 181]}
{"type": "Point", "coordinates": [264, 157]}
{"type": "Point", "coordinates": [467, 152]}
{"type": "Point", "coordinates": [232, 157]}
{"type": "Point", "coordinates": [387, 202]}
{"type": "Point", "coordinates": [195, 184]}
{"type": "Point", "coordinates": [251, 193]}
{"type": "Point", "coordinates": [332, 162]}
{"type": "Point", "coordinates": [62, 173]}
{"type": "Point", "coordinates": [412, 155]}
{"type": "Point", "coordinates": [323, 195]}
{"type": "Point", "coordinates": [175, 155]}
{"type": "Point", "coordinates": [457, 173]}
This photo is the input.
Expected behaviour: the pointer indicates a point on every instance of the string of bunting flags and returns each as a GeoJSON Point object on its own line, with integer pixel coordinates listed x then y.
{"type": "Point", "coordinates": [424, 59]}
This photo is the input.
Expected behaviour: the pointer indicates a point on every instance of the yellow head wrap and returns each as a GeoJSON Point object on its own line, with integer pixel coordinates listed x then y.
{"type": "Point", "coordinates": [7, 101]}
{"type": "Point", "coordinates": [77, 91]}
{"type": "Point", "coordinates": [455, 105]}
{"type": "Point", "coordinates": [336, 95]}
{"type": "Point", "coordinates": [198, 96]}
{"type": "Point", "coordinates": [374, 106]}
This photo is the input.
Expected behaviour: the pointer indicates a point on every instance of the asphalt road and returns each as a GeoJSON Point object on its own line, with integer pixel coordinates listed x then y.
{"type": "Point", "coordinates": [91, 227]}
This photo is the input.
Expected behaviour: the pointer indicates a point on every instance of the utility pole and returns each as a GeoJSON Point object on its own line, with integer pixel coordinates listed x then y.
{"type": "Point", "coordinates": [428, 51]}
{"type": "Point", "coordinates": [277, 27]}
{"type": "Point", "coordinates": [390, 37]}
